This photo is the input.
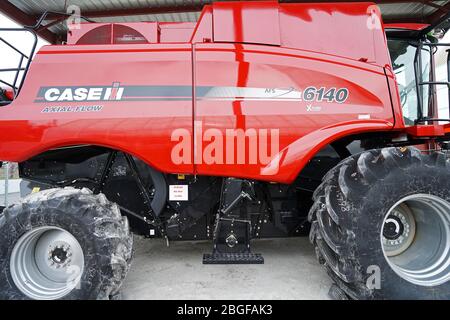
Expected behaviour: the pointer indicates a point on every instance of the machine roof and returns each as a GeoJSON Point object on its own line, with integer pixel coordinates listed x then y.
{"type": "Point", "coordinates": [27, 12]}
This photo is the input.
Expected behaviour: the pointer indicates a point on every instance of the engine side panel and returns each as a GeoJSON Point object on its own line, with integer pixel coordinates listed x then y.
{"type": "Point", "coordinates": [299, 98]}
{"type": "Point", "coordinates": [129, 97]}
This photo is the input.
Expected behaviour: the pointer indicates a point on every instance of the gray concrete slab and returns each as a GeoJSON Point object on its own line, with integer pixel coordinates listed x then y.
{"type": "Point", "coordinates": [290, 272]}
{"type": "Point", "coordinates": [176, 272]}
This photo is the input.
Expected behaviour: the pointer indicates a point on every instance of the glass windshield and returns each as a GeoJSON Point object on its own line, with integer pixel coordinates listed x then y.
{"type": "Point", "coordinates": [402, 55]}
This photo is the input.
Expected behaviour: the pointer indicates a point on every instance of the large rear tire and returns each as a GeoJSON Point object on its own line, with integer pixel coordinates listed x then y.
{"type": "Point", "coordinates": [63, 244]}
{"type": "Point", "coordinates": [381, 225]}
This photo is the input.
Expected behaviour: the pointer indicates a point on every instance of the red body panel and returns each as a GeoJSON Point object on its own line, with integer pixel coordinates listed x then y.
{"type": "Point", "coordinates": [302, 131]}
{"type": "Point", "coordinates": [175, 31]}
{"type": "Point", "coordinates": [241, 74]}
{"type": "Point", "coordinates": [241, 22]}
{"type": "Point", "coordinates": [447, 128]}
{"type": "Point", "coordinates": [142, 128]}
{"type": "Point", "coordinates": [406, 26]}
{"type": "Point", "coordinates": [351, 30]}
{"type": "Point", "coordinates": [427, 130]}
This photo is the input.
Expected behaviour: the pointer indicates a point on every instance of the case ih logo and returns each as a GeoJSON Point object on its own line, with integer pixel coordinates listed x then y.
{"type": "Point", "coordinates": [117, 92]}
{"type": "Point", "coordinates": [61, 94]}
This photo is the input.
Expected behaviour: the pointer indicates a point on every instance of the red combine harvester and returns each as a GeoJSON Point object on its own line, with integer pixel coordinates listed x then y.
{"type": "Point", "coordinates": [260, 120]}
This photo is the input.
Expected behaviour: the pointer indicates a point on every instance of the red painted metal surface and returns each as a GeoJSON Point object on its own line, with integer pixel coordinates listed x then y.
{"type": "Point", "coordinates": [258, 83]}
{"type": "Point", "coordinates": [406, 26]}
{"type": "Point", "coordinates": [9, 94]}
{"type": "Point", "coordinates": [250, 22]}
{"type": "Point", "coordinates": [367, 108]}
{"type": "Point", "coordinates": [142, 128]}
{"type": "Point", "coordinates": [354, 31]}
{"type": "Point", "coordinates": [447, 128]}
{"type": "Point", "coordinates": [175, 31]}
{"type": "Point", "coordinates": [203, 31]}
{"type": "Point", "coordinates": [426, 130]}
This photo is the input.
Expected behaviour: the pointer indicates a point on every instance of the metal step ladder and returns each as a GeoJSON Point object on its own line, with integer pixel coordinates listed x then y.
{"type": "Point", "coordinates": [233, 227]}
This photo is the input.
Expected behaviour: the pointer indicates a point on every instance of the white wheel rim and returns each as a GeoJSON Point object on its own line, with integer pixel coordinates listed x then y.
{"type": "Point", "coordinates": [47, 263]}
{"type": "Point", "coordinates": [422, 257]}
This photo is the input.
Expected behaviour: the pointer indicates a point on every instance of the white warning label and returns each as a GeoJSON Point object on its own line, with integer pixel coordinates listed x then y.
{"type": "Point", "coordinates": [178, 192]}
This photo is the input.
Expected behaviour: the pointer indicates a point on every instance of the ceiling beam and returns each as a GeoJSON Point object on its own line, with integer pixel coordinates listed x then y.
{"type": "Point", "coordinates": [432, 4]}
{"type": "Point", "coordinates": [25, 20]}
{"type": "Point", "coordinates": [440, 15]}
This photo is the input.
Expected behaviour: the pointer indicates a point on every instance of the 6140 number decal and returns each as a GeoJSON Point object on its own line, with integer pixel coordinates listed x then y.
{"type": "Point", "coordinates": [325, 94]}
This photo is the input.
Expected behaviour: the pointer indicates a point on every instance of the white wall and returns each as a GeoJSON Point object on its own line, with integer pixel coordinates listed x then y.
{"type": "Point", "coordinates": [13, 186]}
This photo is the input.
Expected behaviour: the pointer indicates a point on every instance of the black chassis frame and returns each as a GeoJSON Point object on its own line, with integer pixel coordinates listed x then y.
{"type": "Point", "coordinates": [142, 192]}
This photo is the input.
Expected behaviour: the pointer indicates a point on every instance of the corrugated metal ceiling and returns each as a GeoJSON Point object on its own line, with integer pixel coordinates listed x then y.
{"type": "Point", "coordinates": [37, 7]}
{"type": "Point", "coordinates": [162, 17]}
{"type": "Point", "coordinates": [183, 10]}
{"type": "Point", "coordinates": [408, 9]}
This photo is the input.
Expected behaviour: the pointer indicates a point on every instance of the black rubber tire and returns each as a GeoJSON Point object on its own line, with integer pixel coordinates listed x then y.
{"type": "Point", "coordinates": [94, 221]}
{"type": "Point", "coordinates": [349, 209]}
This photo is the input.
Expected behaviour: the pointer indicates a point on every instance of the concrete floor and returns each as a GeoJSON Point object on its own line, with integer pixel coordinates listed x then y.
{"type": "Point", "coordinates": [176, 272]}
{"type": "Point", "coordinates": [290, 272]}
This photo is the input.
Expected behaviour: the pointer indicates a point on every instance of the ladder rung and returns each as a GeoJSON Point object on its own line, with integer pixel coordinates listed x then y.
{"type": "Point", "coordinates": [441, 83]}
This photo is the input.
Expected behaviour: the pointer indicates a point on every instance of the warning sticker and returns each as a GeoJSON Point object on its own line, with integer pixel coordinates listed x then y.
{"type": "Point", "coordinates": [178, 193]}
